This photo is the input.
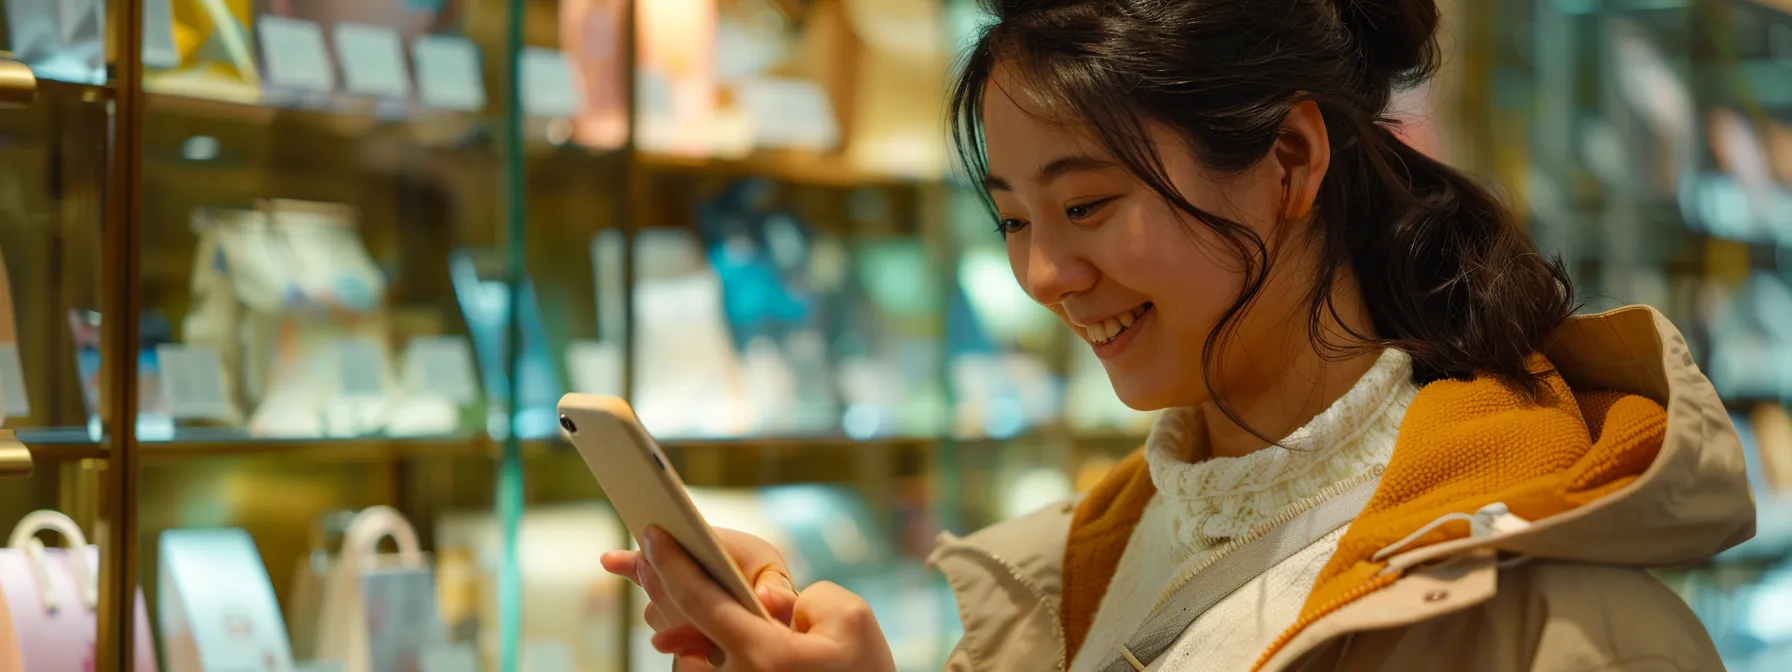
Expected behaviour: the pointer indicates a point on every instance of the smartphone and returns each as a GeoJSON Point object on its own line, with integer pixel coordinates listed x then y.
{"type": "Point", "coordinates": [643, 488]}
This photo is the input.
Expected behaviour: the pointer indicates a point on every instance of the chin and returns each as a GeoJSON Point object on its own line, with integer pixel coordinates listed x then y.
{"type": "Point", "coordinates": [1143, 392]}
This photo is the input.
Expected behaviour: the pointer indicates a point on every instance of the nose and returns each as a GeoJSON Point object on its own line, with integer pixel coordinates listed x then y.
{"type": "Point", "coordinates": [1051, 267]}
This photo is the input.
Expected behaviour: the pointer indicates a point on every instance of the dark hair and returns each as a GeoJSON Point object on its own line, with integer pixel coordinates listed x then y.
{"type": "Point", "coordinates": [1446, 273]}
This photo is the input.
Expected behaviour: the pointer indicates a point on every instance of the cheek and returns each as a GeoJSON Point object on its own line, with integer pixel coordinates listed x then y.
{"type": "Point", "coordinates": [1183, 266]}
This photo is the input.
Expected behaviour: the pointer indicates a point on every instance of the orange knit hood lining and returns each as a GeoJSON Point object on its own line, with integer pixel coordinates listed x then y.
{"type": "Point", "coordinates": [1464, 445]}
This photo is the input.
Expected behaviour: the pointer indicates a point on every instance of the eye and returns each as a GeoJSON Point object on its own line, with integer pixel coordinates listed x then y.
{"type": "Point", "coordinates": [1082, 211]}
{"type": "Point", "coordinates": [1008, 225]}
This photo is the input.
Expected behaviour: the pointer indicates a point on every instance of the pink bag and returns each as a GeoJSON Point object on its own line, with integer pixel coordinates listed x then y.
{"type": "Point", "coordinates": [47, 621]}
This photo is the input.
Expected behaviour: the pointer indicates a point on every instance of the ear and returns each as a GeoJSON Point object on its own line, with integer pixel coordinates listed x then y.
{"type": "Point", "coordinates": [1304, 151]}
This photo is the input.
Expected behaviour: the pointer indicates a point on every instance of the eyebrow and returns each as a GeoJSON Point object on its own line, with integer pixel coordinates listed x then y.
{"type": "Point", "coordinates": [1059, 167]}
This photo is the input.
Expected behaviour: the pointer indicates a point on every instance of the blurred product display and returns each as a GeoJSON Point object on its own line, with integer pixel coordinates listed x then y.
{"type": "Point", "coordinates": [346, 257]}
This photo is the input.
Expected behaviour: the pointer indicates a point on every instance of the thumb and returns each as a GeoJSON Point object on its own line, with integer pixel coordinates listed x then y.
{"type": "Point", "coordinates": [778, 594]}
{"type": "Point", "coordinates": [693, 593]}
{"type": "Point", "coordinates": [833, 612]}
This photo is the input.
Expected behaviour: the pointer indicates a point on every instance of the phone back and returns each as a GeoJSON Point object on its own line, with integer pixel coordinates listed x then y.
{"type": "Point", "coordinates": [642, 486]}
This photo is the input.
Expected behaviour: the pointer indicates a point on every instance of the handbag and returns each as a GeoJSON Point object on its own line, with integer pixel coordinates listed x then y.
{"type": "Point", "coordinates": [304, 609]}
{"type": "Point", "coordinates": [343, 634]}
{"type": "Point", "coordinates": [47, 623]}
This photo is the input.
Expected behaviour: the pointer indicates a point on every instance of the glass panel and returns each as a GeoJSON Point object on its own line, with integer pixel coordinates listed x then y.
{"type": "Point", "coordinates": [1659, 164]}
{"type": "Point", "coordinates": [324, 276]}
{"type": "Point", "coordinates": [759, 271]}
{"type": "Point", "coordinates": [573, 61]}
{"type": "Point", "coordinates": [53, 155]}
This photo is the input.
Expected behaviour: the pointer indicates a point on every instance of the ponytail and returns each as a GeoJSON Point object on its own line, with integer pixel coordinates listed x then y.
{"type": "Point", "coordinates": [1445, 272]}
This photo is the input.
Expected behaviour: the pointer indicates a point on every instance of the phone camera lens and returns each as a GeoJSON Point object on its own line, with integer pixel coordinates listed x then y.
{"type": "Point", "coordinates": [566, 424]}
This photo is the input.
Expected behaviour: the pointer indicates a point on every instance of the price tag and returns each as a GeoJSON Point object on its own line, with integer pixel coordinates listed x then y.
{"type": "Point", "coordinates": [293, 54]}
{"type": "Point", "coordinates": [372, 60]}
{"type": "Point", "coordinates": [790, 113]}
{"type": "Point", "coordinates": [547, 657]}
{"type": "Point", "coordinates": [448, 73]}
{"type": "Point", "coordinates": [361, 369]}
{"type": "Point", "coordinates": [548, 84]}
{"type": "Point", "coordinates": [596, 368]}
{"type": "Point", "coordinates": [192, 381]}
{"type": "Point", "coordinates": [653, 94]}
{"type": "Point", "coordinates": [442, 365]}
{"type": "Point", "coordinates": [14, 403]}
{"type": "Point", "coordinates": [158, 34]}
{"type": "Point", "coordinates": [449, 658]}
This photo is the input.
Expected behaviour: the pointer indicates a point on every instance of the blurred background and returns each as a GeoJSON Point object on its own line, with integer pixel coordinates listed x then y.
{"type": "Point", "coordinates": [290, 287]}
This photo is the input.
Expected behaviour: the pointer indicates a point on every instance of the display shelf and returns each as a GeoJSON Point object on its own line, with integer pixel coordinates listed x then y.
{"type": "Point", "coordinates": [199, 443]}
{"type": "Point", "coordinates": [341, 450]}
{"type": "Point", "coordinates": [747, 462]}
{"type": "Point", "coordinates": [51, 453]}
{"type": "Point", "coordinates": [57, 436]}
{"type": "Point", "coordinates": [817, 170]}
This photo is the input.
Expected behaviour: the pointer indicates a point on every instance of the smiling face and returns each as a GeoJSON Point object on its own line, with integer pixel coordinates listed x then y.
{"type": "Point", "coordinates": [1140, 281]}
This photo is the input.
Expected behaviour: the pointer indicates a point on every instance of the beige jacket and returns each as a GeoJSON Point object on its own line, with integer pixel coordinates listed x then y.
{"type": "Point", "coordinates": [1583, 600]}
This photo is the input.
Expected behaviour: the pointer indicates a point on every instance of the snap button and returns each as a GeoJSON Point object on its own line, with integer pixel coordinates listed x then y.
{"type": "Point", "coordinates": [1436, 596]}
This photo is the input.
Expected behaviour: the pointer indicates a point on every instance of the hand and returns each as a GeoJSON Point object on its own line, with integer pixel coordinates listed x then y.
{"type": "Point", "coordinates": [759, 562]}
{"type": "Point", "coordinates": [830, 628]}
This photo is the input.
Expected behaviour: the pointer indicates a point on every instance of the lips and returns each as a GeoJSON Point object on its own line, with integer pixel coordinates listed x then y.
{"type": "Point", "coordinates": [1107, 330]}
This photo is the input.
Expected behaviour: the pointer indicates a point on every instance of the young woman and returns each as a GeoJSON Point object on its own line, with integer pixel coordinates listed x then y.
{"type": "Point", "coordinates": [1338, 330]}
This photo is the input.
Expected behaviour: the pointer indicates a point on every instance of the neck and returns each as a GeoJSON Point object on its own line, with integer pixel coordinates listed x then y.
{"type": "Point", "coordinates": [1283, 380]}
{"type": "Point", "coordinates": [1289, 396]}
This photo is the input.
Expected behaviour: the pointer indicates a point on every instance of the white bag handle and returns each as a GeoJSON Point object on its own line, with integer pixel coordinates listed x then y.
{"type": "Point", "coordinates": [343, 638]}
{"type": "Point", "coordinates": [24, 537]}
{"type": "Point", "coordinates": [361, 541]}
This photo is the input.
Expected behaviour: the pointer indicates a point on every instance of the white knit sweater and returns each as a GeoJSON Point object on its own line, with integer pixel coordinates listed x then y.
{"type": "Point", "coordinates": [1199, 506]}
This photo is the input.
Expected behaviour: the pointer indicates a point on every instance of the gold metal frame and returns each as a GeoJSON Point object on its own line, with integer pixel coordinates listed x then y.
{"type": "Point", "coordinates": [121, 301]}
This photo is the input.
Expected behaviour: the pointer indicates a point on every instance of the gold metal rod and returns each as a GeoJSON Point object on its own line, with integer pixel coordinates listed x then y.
{"type": "Point", "coordinates": [18, 85]}
{"type": "Point", "coordinates": [121, 300]}
{"type": "Point", "coordinates": [15, 458]}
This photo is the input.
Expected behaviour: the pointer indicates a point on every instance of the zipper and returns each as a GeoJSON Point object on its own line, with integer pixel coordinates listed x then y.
{"type": "Point", "coordinates": [1290, 513]}
{"type": "Point", "coordinates": [1038, 594]}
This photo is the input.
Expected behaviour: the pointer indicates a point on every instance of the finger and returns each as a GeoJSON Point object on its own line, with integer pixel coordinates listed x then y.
{"type": "Point", "coordinates": [682, 641]}
{"type": "Point", "coordinates": [836, 613]}
{"type": "Point", "coordinates": [690, 590]}
{"type": "Point", "coordinates": [764, 568]}
{"type": "Point", "coordinates": [621, 563]}
{"type": "Point", "coordinates": [669, 615]}
{"type": "Point", "coordinates": [695, 663]}
{"type": "Point", "coordinates": [656, 617]}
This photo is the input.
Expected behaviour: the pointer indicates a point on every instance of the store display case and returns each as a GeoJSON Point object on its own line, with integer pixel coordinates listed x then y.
{"type": "Point", "coordinates": [307, 278]}
{"type": "Point", "coordinates": [1654, 159]}
{"type": "Point", "coordinates": [290, 294]}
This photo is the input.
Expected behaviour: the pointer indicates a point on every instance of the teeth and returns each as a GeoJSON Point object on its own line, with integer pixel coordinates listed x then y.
{"type": "Point", "coordinates": [1106, 330]}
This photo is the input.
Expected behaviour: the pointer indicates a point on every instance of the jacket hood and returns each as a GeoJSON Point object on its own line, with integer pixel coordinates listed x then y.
{"type": "Point", "coordinates": [1626, 457]}
{"type": "Point", "coordinates": [1679, 492]}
